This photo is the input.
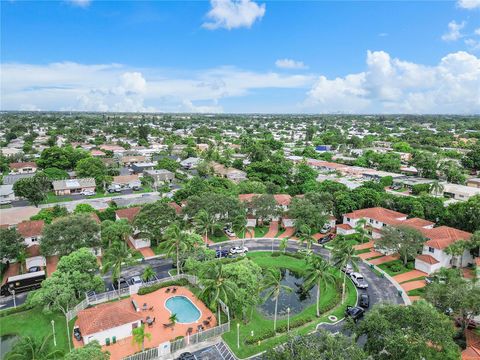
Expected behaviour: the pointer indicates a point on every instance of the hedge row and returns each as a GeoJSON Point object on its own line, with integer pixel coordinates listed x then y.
{"type": "Point", "coordinates": [10, 311]}
{"type": "Point", "coordinates": [149, 289]}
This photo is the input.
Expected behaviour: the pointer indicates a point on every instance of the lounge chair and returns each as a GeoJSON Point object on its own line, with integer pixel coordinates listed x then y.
{"type": "Point", "coordinates": [168, 290]}
{"type": "Point", "coordinates": [174, 290]}
{"type": "Point", "coordinates": [144, 307]}
{"type": "Point", "coordinates": [150, 308]}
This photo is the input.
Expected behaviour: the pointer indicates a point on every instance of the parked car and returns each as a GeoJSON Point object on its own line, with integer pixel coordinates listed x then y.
{"type": "Point", "coordinates": [326, 238]}
{"type": "Point", "coordinates": [122, 281]}
{"type": "Point", "coordinates": [396, 187]}
{"type": "Point", "coordinates": [221, 253]}
{"type": "Point", "coordinates": [348, 269]}
{"type": "Point", "coordinates": [229, 232]}
{"type": "Point", "coordinates": [77, 334]}
{"type": "Point", "coordinates": [135, 188]}
{"type": "Point", "coordinates": [114, 188]}
{"type": "Point", "coordinates": [364, 300]}
{"type": "Point", "coordinates": [435, 278]}
{"type": "Point", "coordinates": [238, 250]}
{"type": "Point", "coordinates": [325, 229]}
{"type": "Point", "coordinates": [187, 356]}
{"type": "Point", "coordinates": [33, 269]}
{"type": "Point", "coordinates": [471, 324]}
{"type": "Point", "coordinates": [87, 192]}
{"type": "Point", "coordinates": [135, 280]}
{"type": "Point", "coordinates": [355, 312]}
{"type": "Point", "coordinates": [359, 280]}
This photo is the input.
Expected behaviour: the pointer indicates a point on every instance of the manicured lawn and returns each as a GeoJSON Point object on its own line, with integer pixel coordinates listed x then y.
{"type": "Point", "coordinates": [330, 295]}
{"type": "Point", "coordinates": [220, 238]}
{"type": "Point", "coordinates": [417, 292]}
{"type": "Point", "coordinates": [260, 231]}
{"type": "Point", "coordinates": [395, 267]}
{"type": "Point", "coordinates": [35, 323]}
{"type": "Point", "coordinates": [363, 251]}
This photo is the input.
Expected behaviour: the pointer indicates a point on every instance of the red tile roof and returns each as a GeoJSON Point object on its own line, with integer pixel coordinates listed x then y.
{"type": "Point", "coordinates": [128, 213]}
{"type": "Point", "coordinates": [246, 197]}
{"type": "Point", "coordinates": [30, 228]}
{"type": "Point", "coordinates": [417, 222]}
{"type": "Point", "coordinates": [344, 226]}
{"type": "Point", "coordinates": [95, 218]}
{"type": "Point", "coordinates": [176, 207]}
{"type": "Point", "coordinates": [427, 259]}
{"type": "Point", "coordinates": [443, 236]}
{"type": "Point", "coordinates": [283, 199]}
{"type": "Point", "coordinates": [377, 213]}
{"type": "Point", "coordinates": [33, 250]}
{"type": "Point", "coordinates": [107, 316]}
{"type": "Point", "coordinates": [472, 352]}
{"type": "Point", "coordinates": [20, 165]}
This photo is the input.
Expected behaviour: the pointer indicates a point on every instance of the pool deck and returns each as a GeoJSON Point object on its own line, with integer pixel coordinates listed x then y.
{"type": "Point", "coordinates": [126, 347]}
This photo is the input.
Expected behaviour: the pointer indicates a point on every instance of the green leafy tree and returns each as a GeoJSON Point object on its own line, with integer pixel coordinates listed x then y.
{"type": "Point", "coordinates": [251, 187]}
{"type": "Point", "coordinates": [264, 207]}
{"type": "Point", "coordinates": [49, 214]}
{"type": "Point", "coordinates": [139, 336]}
{"type": "Point", "coordinates": [318, 272]}
{"type": "Point", "coordinates": [11, 243]}
{"type": "Point", "coordinates": [117, 256]}
{"type": "Point", "coordinates": [168, 164]}
{"type": "Point", "coordinates": [93, 167]}
{"type": "Point", "coordinates": [404, 240]}
{"type": "Point", "coordinates": [224, 207]}
{"type": "Point", "coordinates": [84, 209]}
{"type": "Point", "coordinates": [91, 351]}
{"type": "Point", "coordinates": [272, 283]}
{"type": "Point", "coordinates": [206, 223]}
{"type": "Point", "coordinates": [399, 332]}
{"type": "Point", "coordinates": [31, 348]}
{"type": "Point", "coordinates": [178, 242]}
{"type": "Point", "coordinates": [307, 213]}
{"type": "Point", "coordinates": [55, 173]}
{"type": "Point", "coordinates": [33, 189]}
{"type": "Point", "coordinates": [115, 231]}
{"type": "Point", "coordinates": [70, 233]}
{"type": "Point", "coordinates": [148, 273]}
{"type": "Point", "coordinates": [153, 219]}
{"type": "Point", "coordinates": [472, 158]}
{"type": "Point", "coordinates": [216, 286]}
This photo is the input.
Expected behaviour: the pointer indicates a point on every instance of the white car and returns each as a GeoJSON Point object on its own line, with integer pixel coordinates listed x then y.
{"type": "Point", "coordinates": [325, 229]}
{"type": "Point", "coordinates": [239, 250]}
{"type": "Point", "coordinates": [359, 280]}
{"type": "Point", "coordinates": [87, 192]}
{"type": "Point", "coordinates": [229, 232]}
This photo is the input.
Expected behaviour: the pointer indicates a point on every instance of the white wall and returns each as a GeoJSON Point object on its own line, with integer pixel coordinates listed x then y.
{"type": "Point", "coordinates": [140, 243]}
{"type": "Point", "coordinates": [29, 241]}
{"type": "Point", "coordinates": [120, 332]}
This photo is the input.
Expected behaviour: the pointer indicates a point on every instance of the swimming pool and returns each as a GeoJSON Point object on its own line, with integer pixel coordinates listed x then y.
{"type": "Point", "coordinates": [186, 311]}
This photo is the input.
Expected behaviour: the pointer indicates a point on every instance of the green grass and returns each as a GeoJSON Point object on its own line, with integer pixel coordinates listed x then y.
{"type": "Point", "coordinates": [280, 232]}
{"type": "Point", "coordinates": [260, 231]}
{"type": "Point", "coordinates": [35, 323]}
{"type": "Point", "coordinates": [220, 238]}
{"type": "Point", "coordinates": [260, 324]}
{"type": "Point", "coordinates": [363, 251]}
{"type": "Point", "coordinates": [394, 267]}
{"type": "Point", "coordinates": [417, 292]}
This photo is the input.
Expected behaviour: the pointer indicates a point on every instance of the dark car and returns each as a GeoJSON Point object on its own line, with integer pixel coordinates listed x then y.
{"type": "Point", "coordinates": [364, 300]}
{"type": "Point", "coordinates": [122, 281]}
{"type": "Point", "coordinates": [34, 269]}
{"type": "Point", "coordinates": [355, 312]}
{"type": "Point", "coordinates": [187, 356]}
{"type": "Point", "coordinates": [77, 334]}
{"type": "Point", "coordinates": [221, 253]}
{"type": "Point", "coordinates": [326, 239]}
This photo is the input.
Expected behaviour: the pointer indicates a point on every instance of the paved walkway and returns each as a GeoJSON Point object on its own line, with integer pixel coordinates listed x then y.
{"type": "Point", "coordinates": [272, 230]}
{"type": "Point", "coordinates": [412, 285]}
{"type": "Point", "coordinates": [250, 233]}
{"type": "Point", "coordinates": [384, 259]}
{"type": "Point", "coordinates": [370, 255]}
{"type": "Point", "coordinates": [52, 262]}
{"type": "Point", "coordinates": [289, 231]}
{"type": "Point", "coordinates": [414, 274]}
{"type": "Point", "coordinates": [146, 252]}
{"type": "Point", "coordinates": [367, 245]}
{"type": "Point", "coordinates": [317, 236]}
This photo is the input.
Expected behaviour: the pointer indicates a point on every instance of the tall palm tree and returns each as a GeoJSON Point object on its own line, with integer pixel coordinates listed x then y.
{"type": "Point", "coordinates": [283, 245]}
{"type": "Point", "coordinates": [360, 229]}
{"type": "Point", "coordinates": [115, 258]}
{"type": "Point", "coordinates": [21, 257]}
{"type": "Point", "coordinates": [318, 271]}
{"type": "Point", "coordinates": [273, 283]}
{"type": "Point", "coordinates": [205, 223]}
{"type": "Point", "coordinates": [148, 273]}
{"type": "Point", "coordinates": [175, 243]}
{"type": "Point", "coordinates": [216, 286]}
{"type": "Point", "coordinates": [139, 336]}
{"type": "Point", "coordinates": [436, 188]}
{"type": "Point", "coordinates": [305, 236]}
{"type": "Point", "coordinates": [342, 255]}
{"type": "Point", "coordinates": [30, 348]}
{"type": "Point", "coordinates": [456, 250]}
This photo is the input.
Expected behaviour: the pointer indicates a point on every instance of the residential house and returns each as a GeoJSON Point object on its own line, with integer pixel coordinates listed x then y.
{"type": "Point", "coordinates": [202, 147]}
{"type": "Point", "coordinates": [127, 181]}
{"type": "Point", "coordinates": [459, 192]}
{"type": "Point", "coordinates": [190, 163]}
{"type": "Point", "coordinates": [73, 186]}
{"type": "Point", "coordinates": [6, 194]}
{"type": "Point", "coordinates": [232, 174]}
{"type": "Point", "coordinates": [97, 153]}
{"type": "Point", "coordinates": [23, 167]}
{"type": "Point", "coordinates": [31, 232]}
{"type": "Point", "coordinates": [160, 177]}
{"type": "Point", "coordinates": [140, 167]}
{"type": "Point", "coordinates": [12, 179]}
{"type": "Point", "coordinates": [474, 182]}
{"type": "Point", "coordinates": [133, 159]}
{"type": "Point", "coordinates": [109, 322]}
{"type": "Point", "coordinates": [116, 149]}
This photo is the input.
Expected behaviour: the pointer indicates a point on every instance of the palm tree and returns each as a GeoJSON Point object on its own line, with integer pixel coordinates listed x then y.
{"type": "Point", "coordinates": [148, 273]}
{"type": "Point", "coordinates": [319, 271]}
{"type": "Point", "coordinates": [115, 257]}
{"type": "Point", "coordinates": [305, 236]}
{"type": "Point", "coordinates": [216, 286]}
{"type": "Point", "coordinates": [21, 257]}
{"type": "Point", "coordinates": [360, 229]}
{"type": "Point", "coordinates": [273, 283]}
{"type": "Point", "coordinates": [283, 245]}
{"type": "Point", "coordinates": [29, 348]}
{"type": "Point", "coordinates": [342, 255]}
{"type": "Point", "coordinates": [139, 336]}
{"type": "Point", "coordinates": [456, 250]}
{"type": "Point", "coordinates": [205, 223]}
{"type": "Point", "coordinates": [173, 318]}
{"type": "Point", "coordinates": [175, 243]}
{"type": "Point", "coordinates": [436, 188]}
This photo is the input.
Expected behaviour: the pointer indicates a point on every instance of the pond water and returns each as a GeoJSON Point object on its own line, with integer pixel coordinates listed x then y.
{"type": "Point", "coordinates": [297, 300]}
{"type": "Point", "coordinates": [6, 344]}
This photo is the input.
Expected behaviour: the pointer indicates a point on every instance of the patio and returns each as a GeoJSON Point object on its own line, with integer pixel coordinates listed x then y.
{"type": "Point", "coordinates": [157, 311]}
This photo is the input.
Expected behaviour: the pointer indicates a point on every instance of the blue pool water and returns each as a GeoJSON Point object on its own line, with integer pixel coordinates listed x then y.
{"type": "Point", "coordinates": [186, 311]}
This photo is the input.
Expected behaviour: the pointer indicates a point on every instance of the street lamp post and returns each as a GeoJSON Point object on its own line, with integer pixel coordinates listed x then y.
{"type": "Point", "coordinates": [53, 331]}
{"type": "Point", "coordinates": [288, 319]}
{"type": "Point", "coordinates": [14, 300]}
{"type": "Point", "coordinates": [238, 335]}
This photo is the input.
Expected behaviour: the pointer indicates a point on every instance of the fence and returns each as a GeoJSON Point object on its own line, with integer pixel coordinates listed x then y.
{"type": "Point", "coordinates": [199, 337]}
{"type": "Point", "coordinates": [149, 354]}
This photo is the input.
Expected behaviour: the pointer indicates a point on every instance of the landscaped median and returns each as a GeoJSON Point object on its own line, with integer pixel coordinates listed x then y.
{"type": "Point", "coordinates": [258, 335]}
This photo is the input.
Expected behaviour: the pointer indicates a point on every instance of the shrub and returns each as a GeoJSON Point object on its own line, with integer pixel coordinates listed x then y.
{"type": "Point", "coordinates": [149, 289]}
{"type": "Point", "coordinates": [396, 267]}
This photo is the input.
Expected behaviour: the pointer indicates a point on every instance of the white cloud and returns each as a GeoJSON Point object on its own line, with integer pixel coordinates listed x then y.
{"type": "Point", "coordinates": [395, 86]}
{"type": "Point", "coordinates": [468, 4]}
{"type": "Point", "coordinates": [477, 31]}
{"type": "Point", "coordinates": [231, 14]}
{"type": "Point", "coordinates": [454, 31]}
{"type": "Point", "coordinates": [290, 64]}
{"type": "Point", "coordinates": [80, 3]}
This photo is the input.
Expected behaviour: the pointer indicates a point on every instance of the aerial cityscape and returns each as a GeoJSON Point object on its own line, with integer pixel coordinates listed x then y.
{"type": "Point", "coordinates": [239, 179]}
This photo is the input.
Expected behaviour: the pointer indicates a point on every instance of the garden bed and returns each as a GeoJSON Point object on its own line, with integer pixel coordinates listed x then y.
{"type": "Point", "coordinates": [396, 267]}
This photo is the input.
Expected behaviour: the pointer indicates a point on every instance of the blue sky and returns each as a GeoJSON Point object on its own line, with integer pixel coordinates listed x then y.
{"type": "Point", "coordinates": [241, 56]}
